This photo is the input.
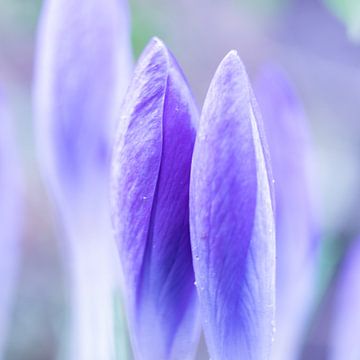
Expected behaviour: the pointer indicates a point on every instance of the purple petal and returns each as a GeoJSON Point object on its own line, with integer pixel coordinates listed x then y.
{"type": "Point", "coordinates": [82, 69]}
{"type": "Point", "coordinates": [289, 144]}
{"type": "Point", "coordinates": [151, 171]}
{"type": "Point", "coordinates": [232, 222]}
{"type": "Point", "coordinates": [10, 218]}
{"type": "Point", "coordinates": [344, 334]}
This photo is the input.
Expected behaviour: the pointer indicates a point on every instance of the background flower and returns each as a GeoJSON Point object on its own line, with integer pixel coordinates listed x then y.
{"type": "Point", "coordinates": [82, 69]}
{"type": "Point", "coordinates": [296, 233]}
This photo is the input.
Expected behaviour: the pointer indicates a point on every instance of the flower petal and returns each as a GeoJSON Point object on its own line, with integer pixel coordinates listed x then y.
{"type": "Point", "coordinates": [289, 144]}
{"type": "Point", "coordinates": [82, 69]}
{"type": "Point", "coordinates": [231, 217]}
{"type": "Point", "coordinates": [151, 171]}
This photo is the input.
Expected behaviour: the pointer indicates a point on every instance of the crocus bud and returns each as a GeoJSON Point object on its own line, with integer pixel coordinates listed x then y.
{"type": "Point", "coordinates": [150, 190]}
{"type": "Point", "coordinates": [82, 68]}
{"type": "Point", "coordinates": [10, 219]}
{"type": "Point", "coordinates": [296, 239]}
{"type": "Point", "coordinates": [345, 327]}
{"type": "Point", "coordinates": [232, 220]}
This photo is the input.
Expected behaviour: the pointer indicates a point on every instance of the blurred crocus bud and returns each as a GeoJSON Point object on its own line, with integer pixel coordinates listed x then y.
{"type": "Point", "coordinates": [296, 238]}
{"type": "Point", "coordinates": [10, 219]}
{"type": "Point", "coordinates": [345, 327]}
{"type": "Point", "coordinates": [150, 190]}
{"type": "Point", "coordinates": [82, 69]}
{"type": "Point", "coordinates": [232, 220]}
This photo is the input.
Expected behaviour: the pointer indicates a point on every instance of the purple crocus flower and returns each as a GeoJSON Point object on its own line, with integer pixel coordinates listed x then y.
{"type": "Point", "coordinates": [82, 69]}
{"type": "Point", "coordinates": [10, 219]}
{"type": "Point", "coordinates": [289, 146]}
{"type": "Point", "coordinates": [344, 331]}
{"type": "Point", "coordinates": [150, 182]}
{"type": "Point", "coordinates": [232, 220]}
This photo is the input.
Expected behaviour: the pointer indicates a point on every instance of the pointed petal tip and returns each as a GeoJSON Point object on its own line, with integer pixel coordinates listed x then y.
{"type": "Point", "coordinates": [156, 45]}
{"type": "Point", "coordinates": [232, 59]}
{"type": "Point", "coordinates": [154, 54]}
{"type": "Point", "coordinates": [157, 41]}
{"type": "Point", "coordinates": [231, 82]}
{"type": "Point", "coordinates": [232, 54]}
{"type": "Point", "coordinates": [153, 61]}
{"type": "Point", "coordinates": [231, 67]}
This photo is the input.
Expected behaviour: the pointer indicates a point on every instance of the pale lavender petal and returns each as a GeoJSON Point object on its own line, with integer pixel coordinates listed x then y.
{"type": "Point", "coordinates": [344, 333]}
{"type": "Point", "coordinates": [290, 150]}
{"type": "Point", "coordinates": [82, 69]}
{"type": "Point", "coordinates": [232, 221]}
{"type": "Point", "coordinates": [10, 219]}
{"type": "Point", "coordinates": [151, 171]}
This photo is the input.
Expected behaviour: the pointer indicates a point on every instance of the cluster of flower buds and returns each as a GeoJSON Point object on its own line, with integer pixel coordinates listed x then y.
{"type": "Point", "coordinates": [190, 195]}
{"type": "Point", "coordinates": [192, 205]}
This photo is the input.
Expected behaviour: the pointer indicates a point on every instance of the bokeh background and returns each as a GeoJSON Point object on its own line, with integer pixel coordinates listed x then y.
{"type": "Point", "coordinates": [317, 43]}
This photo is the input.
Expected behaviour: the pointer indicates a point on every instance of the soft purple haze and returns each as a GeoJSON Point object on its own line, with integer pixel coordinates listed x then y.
{"type": "Point", "coordinates": [83, 63]}
{"type": "Point", "coordinates": [296, 236]}
{"type": "Point", "coordinates": [345, 327]}
{"type": "Point", "coordinates": [11, 218]}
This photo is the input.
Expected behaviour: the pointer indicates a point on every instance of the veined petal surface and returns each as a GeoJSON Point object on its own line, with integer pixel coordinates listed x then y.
{"type": "Point", "coordinates": [290, 149]}
{"type": "Point", "coordinates": [150, 183]}
{"type": "Point", "coordinates": [232, 221]}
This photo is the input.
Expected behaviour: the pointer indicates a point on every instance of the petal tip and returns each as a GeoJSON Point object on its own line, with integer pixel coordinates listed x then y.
{"type": "Point", "coordinates": [157, 41]}
{"type": "Point", "coordinates": [232, 54]}
{"type": "Point", "coordinates": [156, 45]}
{"type": "Point", "coordinates": [232, 67]}
{"type": "Point", "coordinates": [232, 59]}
